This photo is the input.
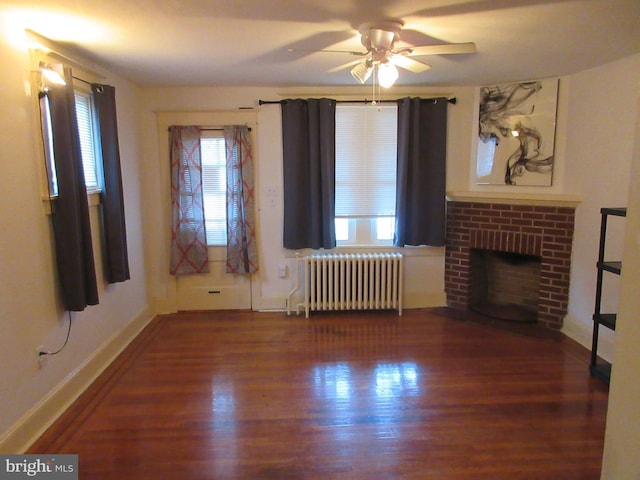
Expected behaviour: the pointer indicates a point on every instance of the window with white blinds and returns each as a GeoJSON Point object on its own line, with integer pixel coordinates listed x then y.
{"type": "Point", "coordinates": [88, 143]}
{"type": "Point", "coordinates": [366, 159]}
{"type": "Point", "coordinates": [214, 186]}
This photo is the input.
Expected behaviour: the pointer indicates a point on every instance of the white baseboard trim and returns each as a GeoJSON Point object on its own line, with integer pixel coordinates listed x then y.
{"type": "Point", "coordinates": [410, 300]}
{"type": "Point", "coordinates": [36, 420]}
{"type": "Point", "coordinates": [422, 300]}
{"type": "Point", "coordinates": [267, 304]}
{"type": "Point", "coordinates": [582, 332]}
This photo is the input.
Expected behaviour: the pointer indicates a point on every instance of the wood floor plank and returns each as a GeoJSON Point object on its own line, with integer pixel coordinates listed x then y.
{"type": "Point", "coordinates": [429, 395]}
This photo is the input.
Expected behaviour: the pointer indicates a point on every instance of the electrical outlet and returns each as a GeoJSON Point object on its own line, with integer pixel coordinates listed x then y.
{"type": "Point", "coordinates": [282, 271]}
{"type": "Point", "coordinates": [42, 357]}
{"type": "Point", "coordinates": [272, 196]}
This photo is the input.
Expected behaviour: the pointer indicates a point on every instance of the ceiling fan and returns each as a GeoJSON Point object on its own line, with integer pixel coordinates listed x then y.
{"type": "Point", "coordinates": [382, 56]}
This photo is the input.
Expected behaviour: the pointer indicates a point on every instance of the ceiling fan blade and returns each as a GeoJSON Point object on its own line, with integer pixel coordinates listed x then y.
{"type": "Point", "coordinates": [344, 66]}
{"type": "Point", "coordinates": [410, 64]}
{"type": "Point", "coordinates": [349, 52]}
{"type": "Point", "coordinates": [447, 48]}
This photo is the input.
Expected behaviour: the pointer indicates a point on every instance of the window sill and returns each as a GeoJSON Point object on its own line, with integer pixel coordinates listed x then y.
{"type": "Point", "coordinates": [422, 251]}
{"type": "Point", "coordinates": [217, 253]}
{"type": "Point", "coordinates": [92, 197]}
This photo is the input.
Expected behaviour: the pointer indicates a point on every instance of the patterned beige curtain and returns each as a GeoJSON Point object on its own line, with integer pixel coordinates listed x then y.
{"type": "Point", "coordinates": [188, 239]}
{"type": "Point", "coordinates": [242, 256]}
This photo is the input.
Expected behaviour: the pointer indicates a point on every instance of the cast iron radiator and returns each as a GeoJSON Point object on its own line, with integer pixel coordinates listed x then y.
{"type": "Point", "coordinates": [354, 281]}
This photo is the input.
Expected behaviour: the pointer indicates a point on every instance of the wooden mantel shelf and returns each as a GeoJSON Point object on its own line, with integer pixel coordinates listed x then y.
{"type": "Point", "coordinates": [556, 200]}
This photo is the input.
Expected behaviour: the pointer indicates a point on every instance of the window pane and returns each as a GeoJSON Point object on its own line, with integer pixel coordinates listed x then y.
{"type": "Point", "coordinates": [48, 146]}
{"type": "Point", "coordinates": [87, 140]}
{"type": "Point", "coordinates": [342, 229]}
{"type": "Point", "coordinates": [214, 188]}
{"type": "Point", "coordinates": [385, 228]}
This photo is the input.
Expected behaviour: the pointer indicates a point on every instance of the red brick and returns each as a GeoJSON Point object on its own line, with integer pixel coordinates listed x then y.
{"type": "Point", "coordinates": [510, 228]}
{"type": "Point", "coordinates": [511, 214]}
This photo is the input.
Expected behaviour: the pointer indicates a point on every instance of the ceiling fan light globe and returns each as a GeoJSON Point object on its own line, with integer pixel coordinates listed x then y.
{"type": "Point", "coordinates": [362, 71]}
{"type": "Point", "coordinates": [387, 74]}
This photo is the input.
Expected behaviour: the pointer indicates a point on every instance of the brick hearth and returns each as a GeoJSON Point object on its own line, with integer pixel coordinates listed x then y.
{"type": "Point", "coordinates": [541, 230]}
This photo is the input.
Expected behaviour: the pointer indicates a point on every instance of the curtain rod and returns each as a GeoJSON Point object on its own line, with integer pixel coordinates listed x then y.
{"type": "Point", "coordinates": [212, 129]}
{"type": "Point", "coordinates": [217, 129]}
{"type": "Point", "coordinates": [452, 101]}
{"type": "Point", "coordinates": [91, 84]}
{"type": "Point", "coordinates": [82, 80]}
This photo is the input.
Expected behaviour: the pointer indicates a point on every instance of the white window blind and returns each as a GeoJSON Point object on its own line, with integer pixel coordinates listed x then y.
{"type": "Point", "coordinates": [214, 186]}
{"type": "Point", "coordinates": [366, 157]}
{"type": "Point", "coordinates": [84, 116]}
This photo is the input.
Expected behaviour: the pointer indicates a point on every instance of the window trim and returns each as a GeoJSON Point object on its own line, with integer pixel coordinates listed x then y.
{"type": "Point", "coordinates": [94, 195]}
{"type": "Point", "coordinates": [41, 49]}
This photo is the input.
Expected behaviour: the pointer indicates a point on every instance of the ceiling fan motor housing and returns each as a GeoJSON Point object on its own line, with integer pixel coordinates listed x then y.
{"type": "Point", "coordinates": [381, 36]}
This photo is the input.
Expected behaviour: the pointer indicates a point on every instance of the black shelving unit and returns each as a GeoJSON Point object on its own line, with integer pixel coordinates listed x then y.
{"type": "Point", "coordinates": [598, 367]}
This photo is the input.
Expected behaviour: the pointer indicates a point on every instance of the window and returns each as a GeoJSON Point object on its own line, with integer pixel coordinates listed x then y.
{"type": "Point", "coordinates": [214, 186]}
{"type": "Point", "coordinates": [366, 158]}
{"type": "Point", "coordinates": [88, 141]}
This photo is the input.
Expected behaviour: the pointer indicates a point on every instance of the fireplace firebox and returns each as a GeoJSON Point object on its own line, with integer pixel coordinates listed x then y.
{"type": "Point", "coordinates": [505, 285]}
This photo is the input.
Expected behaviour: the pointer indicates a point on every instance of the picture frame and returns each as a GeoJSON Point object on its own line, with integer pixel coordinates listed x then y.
{"type": "Point", "coordinates": [516, 133]}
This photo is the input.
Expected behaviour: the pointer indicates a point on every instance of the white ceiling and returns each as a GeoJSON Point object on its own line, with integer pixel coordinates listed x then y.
{"type": "Point", "coordinates": [247, 42]}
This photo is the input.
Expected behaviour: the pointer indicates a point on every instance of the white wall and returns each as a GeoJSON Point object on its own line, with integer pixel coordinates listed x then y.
{"type": "Point", "coordinates": [424, 267]}
{"type": "Point", "coordinates": [30, 316]}
{"type": "Point", "coordinates": [599, 144]}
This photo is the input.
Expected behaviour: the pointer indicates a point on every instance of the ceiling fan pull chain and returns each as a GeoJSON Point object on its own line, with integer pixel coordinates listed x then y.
{"type": "Point", "coordinates": [373, 84]}
{"type": "Point", "coordinates": [377, 85]}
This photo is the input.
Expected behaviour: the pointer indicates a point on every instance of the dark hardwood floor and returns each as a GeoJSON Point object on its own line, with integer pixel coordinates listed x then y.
{"type": "Point", "coordinates": [429, 395]}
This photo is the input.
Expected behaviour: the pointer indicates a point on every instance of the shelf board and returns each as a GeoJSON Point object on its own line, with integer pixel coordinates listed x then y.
{"type": "Point", "coordinates": [606, 319]}
{"type": "Point", "coordinates": [620, 212]}
{"type": "Point", "coordinates": [510, 198]}
{"type": "Point", "coordinates": [613, 267]}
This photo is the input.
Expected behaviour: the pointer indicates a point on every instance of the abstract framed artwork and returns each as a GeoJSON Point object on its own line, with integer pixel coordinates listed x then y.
{"type": "Point", "coordinates": [516, 133]}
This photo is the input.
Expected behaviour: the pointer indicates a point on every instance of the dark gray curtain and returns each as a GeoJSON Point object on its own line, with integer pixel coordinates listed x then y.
{"type": "Point", "coordinates": [308, 140]}
{"type": "Point", "coordinates": [421, 177]}
{"type": "Point", "coordinates": [72, 230]}
{"type": "Point", "coordinates": [113, 220]}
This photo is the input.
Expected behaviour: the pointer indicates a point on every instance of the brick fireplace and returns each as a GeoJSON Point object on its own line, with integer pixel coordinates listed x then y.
{"type": "Point", "coordinates": [540, 229]}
